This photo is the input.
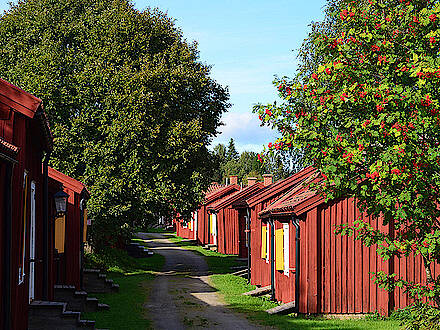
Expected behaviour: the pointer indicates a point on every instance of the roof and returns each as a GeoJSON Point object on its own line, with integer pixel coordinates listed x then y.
{"type": "Point", "coordinates": [220, 192]}
{"type": "Point", "coordinates": [28, 105]}
{"type": "Point", "coordinates": [9, 148]}
{"type": "Point", "coordinates": [67, 181]}
{"type": "Point", "coordinates": [297, 201]}
{"type": "Point", "coordinates": [237, 196]}
{"type": "Point", "coordinates": [281, 186]}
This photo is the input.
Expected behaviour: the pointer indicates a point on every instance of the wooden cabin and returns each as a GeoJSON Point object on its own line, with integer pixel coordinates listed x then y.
{"type": "Point", "coordinates": [70, 231]}
{"type": "Point", "coordinates": [260, 230]}
{"type": "Point", "coordinates": [327, 273]}
{"type": "Point", "coordinates": [207, 223]}
{"type": "Point", "coordinates": [186, 228]}
{"type": "Point", "coordinates": [232, 222]}
{"type": "Point", "coordinates": [25, 258]}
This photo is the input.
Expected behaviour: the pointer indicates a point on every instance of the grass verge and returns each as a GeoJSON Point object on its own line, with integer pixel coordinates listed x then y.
{"type": "Point", "coordinates": [126, 306]}
{"type": "Point", "coordinates": [231, 287]}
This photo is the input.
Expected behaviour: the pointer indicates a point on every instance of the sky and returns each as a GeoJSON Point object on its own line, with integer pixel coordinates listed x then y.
{"type": "Point", "coordinates": [247, 43]}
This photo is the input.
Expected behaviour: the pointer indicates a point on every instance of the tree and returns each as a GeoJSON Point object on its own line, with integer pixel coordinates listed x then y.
{"type": "Point", "coordinates": [231, 153]}
{"type": "Point", "coordinates": [131, 107]}
{"type": "Point", "coordinates": [364, 110]}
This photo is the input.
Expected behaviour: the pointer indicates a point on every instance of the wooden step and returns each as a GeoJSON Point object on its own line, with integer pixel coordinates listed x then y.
{"type": "Point", "coordinates": [282, 309]}
{"type": "Point", "coordinates": [258, 291]}
{"type": "Point", "coordinates": [48, 315]}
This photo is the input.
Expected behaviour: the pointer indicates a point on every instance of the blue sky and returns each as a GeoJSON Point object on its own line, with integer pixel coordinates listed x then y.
{"type": "Point", "coordinates": [247, 42]}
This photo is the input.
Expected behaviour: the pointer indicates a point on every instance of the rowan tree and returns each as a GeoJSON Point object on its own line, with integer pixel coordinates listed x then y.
{"type": "Point", "coordinates": [364, 108]}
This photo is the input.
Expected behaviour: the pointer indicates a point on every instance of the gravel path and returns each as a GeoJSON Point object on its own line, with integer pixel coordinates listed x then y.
{"type": "Point", "coordinates": [181, 297]}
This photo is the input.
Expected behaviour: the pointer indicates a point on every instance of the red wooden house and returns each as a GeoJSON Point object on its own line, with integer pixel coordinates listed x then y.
{"type": "Point", "coordinates": [25, 257]}
{"type": "Point", "coordinates": [323, 272]}
{"type": "Point", "coordinates": [207, 223]}
{"type": "Point", "coordinates": [260, 230]}
{"type": "Point", "coordinates": [232, 223]}
{"type": "Point", "coordinates": [186, 229]}
{"type": "Point", "coordinates": [70, 231]}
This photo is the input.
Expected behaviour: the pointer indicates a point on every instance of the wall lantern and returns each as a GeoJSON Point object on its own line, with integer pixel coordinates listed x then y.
{"type": "Point", "coordinates": [61, 202]}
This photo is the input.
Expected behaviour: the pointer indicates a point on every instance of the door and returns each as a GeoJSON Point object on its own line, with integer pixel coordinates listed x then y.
{"type": "Point", "coordinates": [32, 246]}
{"type": "Point", "coordinates": [214, 228]}
{"type": "Point", "coordinates": [195, 224]}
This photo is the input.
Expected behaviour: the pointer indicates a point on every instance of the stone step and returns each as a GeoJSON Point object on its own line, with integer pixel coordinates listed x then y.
{"type": "Point", "coordinates": [48, 315]}
{"type": "Point", "coordinates": [258, 291]}
{"type": "Point", "coordinates": [282, 309]}
{"type": "Point", "coordinates": [97, 282]}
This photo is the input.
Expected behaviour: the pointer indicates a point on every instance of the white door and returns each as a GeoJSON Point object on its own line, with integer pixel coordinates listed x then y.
{"type": "Point", "coordinates": [214, 227]}
{"type": "Point", "coordinates": [32, 246]}
{"type": "Point", "coordinates": [195, 225]}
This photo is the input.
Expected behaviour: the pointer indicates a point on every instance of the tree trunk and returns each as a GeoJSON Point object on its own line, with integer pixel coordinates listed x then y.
{"type": "Point", "coordinates": [429, 278]}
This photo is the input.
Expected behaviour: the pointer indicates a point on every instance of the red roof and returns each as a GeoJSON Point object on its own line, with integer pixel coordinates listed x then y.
{"type": "Point", "coordinates": [27, 104]}
{"type": "Point", "coordinates": [237, 196]}
{"type": "Point", "coordinates": [296, 201]}
{"type": "Point", "coordinates": [18, 99]}
{"type": "Point", "coordinates": [281, 186]}
{"type": "Point", "coordinates": [67, 181]}
{"type": "Point", "coordinates": [8, 147]}
{"type": "Point", "coordinates": [220, 192]}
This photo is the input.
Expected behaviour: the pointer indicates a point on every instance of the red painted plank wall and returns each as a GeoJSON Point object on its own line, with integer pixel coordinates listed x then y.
{"type": "Point", "coordinates": [228, 235]}
{"type": "Point", "coordinates": [242, 248]}
{"type": "Point", "coordinates": [2, 230]}
{"type": "Point", "coordinates": [183, 232]}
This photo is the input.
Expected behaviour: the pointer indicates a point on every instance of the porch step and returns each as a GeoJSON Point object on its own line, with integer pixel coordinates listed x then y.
{"type": "Point", "coordinates": [97, 282]}
{"type": "Point", "coordinates": [137, 250]}
{"type": "Point", "coordinates": [258, 291]}
{"type": "Point", "coordinates": [282, 309]}
{"type": "Point", "coordinates": [77, 301]}
{"type": "Point", "coordinates": [241, 273]}
{"type": "Point", "coordinates": [48, 315]}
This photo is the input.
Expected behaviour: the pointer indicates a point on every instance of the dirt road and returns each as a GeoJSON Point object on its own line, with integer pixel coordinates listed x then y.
{"type": "Point", "coordinates": [181, 297]}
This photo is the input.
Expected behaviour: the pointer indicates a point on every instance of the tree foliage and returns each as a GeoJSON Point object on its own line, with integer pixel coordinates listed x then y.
{"type": "Point", "coordinates": [364, 109]}
{"type": "Point", "coordinates": [131, 106]}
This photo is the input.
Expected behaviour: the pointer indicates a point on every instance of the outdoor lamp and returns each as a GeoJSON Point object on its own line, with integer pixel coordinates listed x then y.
{"type": "Point", "coordinates": [61, 202]}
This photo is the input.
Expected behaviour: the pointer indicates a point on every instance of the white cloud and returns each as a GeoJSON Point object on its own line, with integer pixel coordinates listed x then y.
{"type": "Point", "coordinates": [246, 131]}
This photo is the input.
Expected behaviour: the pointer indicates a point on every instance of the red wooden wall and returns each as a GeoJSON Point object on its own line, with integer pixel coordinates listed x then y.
{"type": "Point", "coordinates": [184, 232]}
{"type": "Point", "coordinates": [242, 234]}
{"type": "Point", "coordinates": [227, 230]}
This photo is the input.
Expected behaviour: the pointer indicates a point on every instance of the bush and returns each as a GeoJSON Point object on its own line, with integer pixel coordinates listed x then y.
{"type": "Point", "coordinates": [418, 316]}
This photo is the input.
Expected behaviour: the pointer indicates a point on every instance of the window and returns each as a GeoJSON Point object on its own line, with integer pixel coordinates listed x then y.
{"type": "Point", "coordinates": [263, 241]}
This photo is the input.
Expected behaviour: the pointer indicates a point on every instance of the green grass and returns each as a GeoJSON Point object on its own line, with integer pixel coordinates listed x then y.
{"type": "Point", "coordinates": [231, 287]}
{"type": "Point", "coordinates": [218, 263]}
{"type": "Point", "coordinates": [126, 306]}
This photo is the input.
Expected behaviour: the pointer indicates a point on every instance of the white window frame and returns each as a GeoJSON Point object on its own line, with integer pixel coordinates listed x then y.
{"type": "Point", "coordinates": [267, 242]}
{"type": "Point", "coordinates": [286, 243]}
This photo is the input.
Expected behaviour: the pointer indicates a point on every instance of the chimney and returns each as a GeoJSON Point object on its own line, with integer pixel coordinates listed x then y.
{"type": "Point", "coordinates": [251, 181]}
{"type": "Point", "coordinates": [233, 179]}
{"type": "Point", "coordinates": [268, 179]}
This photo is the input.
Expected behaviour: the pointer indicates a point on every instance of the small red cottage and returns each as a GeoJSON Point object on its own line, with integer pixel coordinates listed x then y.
{"type": "Point", "coordinates": [207, 223]}
{"type": "Point", "coordinates": [324, 272]}
{"type": "Point", "coordinates": [232, 224]}
{"type": "Point", "coordinates": [186, 229]}
{"type": "Point", "coordinates": [70, 231]}
{"type": "Point", "coordinates": [260, 266]}
{"type": "Point", "coordinates": [25, 257]}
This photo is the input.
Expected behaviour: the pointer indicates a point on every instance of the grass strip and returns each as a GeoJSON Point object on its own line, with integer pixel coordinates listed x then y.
{"type": "Point", "coordinates": [126, 306]}
{"type": "Point", "coordinates": [232, 287]}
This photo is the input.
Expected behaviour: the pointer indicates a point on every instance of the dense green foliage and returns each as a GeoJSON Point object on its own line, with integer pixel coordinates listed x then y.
{"type": "Point", "coordinates": [364, 109]}
{"type": "Point", "coordinates": [131, 107]}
